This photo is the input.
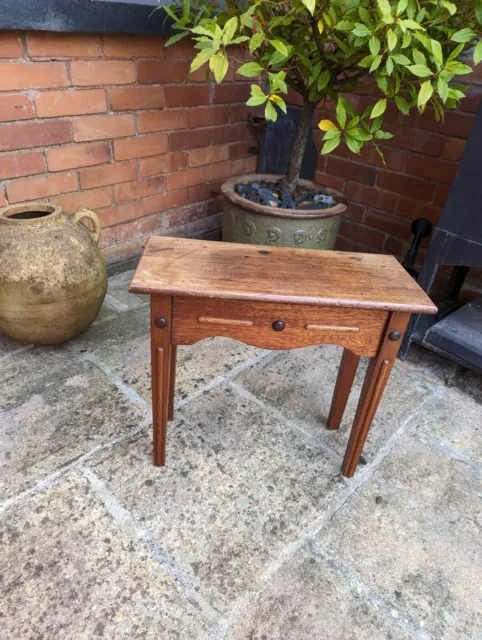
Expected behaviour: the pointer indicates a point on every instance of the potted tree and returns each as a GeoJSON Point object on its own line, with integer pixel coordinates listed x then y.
{"type": "Point", "coordinates": [409, 50]}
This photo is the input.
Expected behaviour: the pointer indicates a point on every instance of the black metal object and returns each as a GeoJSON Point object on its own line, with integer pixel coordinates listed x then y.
{"type": "Point", "coordinates": [421, 228]}
{"type": "Point", "coordinates": [394, 336]}
{"type": "Point", "coordinates": [160, 323]}
{"type": "Point", "coordinates": [277, 144]}
{"type": "Point", "coordinates": [457, 241]}
{"type": "Point", "coordinates": [97, 16]}
{"type": "Point", "coordinates": [278, 325]}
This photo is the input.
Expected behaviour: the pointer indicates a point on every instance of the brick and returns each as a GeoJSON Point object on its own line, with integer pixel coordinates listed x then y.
{"type": "Point", "coordinates": [10, 45]}
{"type": "Point", "coordinates": [371, 196]}
{"type": "Point", "coordinates": [100, 72]}
{"type": "Point", "coordinates": [162, 71]}
{"type": "Point", "coordinates": [139, 189]}
{"type": "Point", "coordinates": [251, 164]}
{"type": "Point", "coordinates": [362, 235]}
{"type": "Point", "coordinates": [124, 250]}
{"type": "Point", "coordinates": [411, 208]}
{"type": "Point", "coordinates": [225, 169]}
{"type": "Point", "coordinates": [208, 155]}
{"type": "Point", "coordinates": [153, 204]}
{"type": "Point", "coordinates": [3, 200]}
{"type": "Point", "coordinates": [182, 49]}
{"type": "Point", "coordinates": [185, 178]}
{"type": "Point", "coordinates": [167, 163]}
{"type": "Point", "coordinates": [333, 182]}
{"type": "Point", "coordinates": [91, 199]}
{"type": "Point", "coordinates": [351, 170]}
{"type": "Point", "coordinates": [395, 247]}
{"type": "Point", "coordinates": [163, 120]}
{"type": "Point", "coordinates": [231, 93]}
{"type": "Point", "coordinates": [133, 46]}
{"type": "Point", "coordinates": [405, 185]}
{"type": "Point", "coordinates": [388, 224]}
{"type": "Point", "coordinates": [242, 150]}
{"type": "Point", "coordinates": [114, 173]}
{"type": "Point", "coordinates": [394, 159]}
{"type": "Point", "coordinates": [140, 147]}
{"type": "Point", "coordinates": [454, 149]}
{"type": "Point", "coordinates": [34, 134]}
{"type": "Point", "coordinates": [127, 98]}
{"type": "Point", "coordinates": [116, 214]}
{"type": "Point", "coordinates": [205, 191]}
{"type": "Point", "coordinates": [189, 139]}
{"type": "Point", "coordinates": [17, 76]}
{"type": "Point", "coordinates": [432, 168]}
{"type": "Point", "coordinates": [16, 165]}
{"type": "Point", "coordinates": [51, 104]}
{"type": "Point", "coordinates": [47, 44]}
{"type": "Point", "coordinates": [79, 155]}
{"type": "Point", "coordinates": [15, 107]}
{"type": "Point", "coordinates": [453, 124]}
{"type": "Point", "coordinates": [472, 101]}
{"type": "Point", "coordinates": [417, 140]}
{"type": "Point", "coordinates": [441, 194]}
{"type": "Point", "coordinates": [41, 187]}
{"type": "Point", "coordinates": [231, 133]}
{"type": "Point", "coordinates": [355, 212]}
{"type": "Point", "coordinates": [208, 116]}
{"type": "Point", "coordinates": [187, 96]}
{"type": "Point", "coordinates": [103, 127]}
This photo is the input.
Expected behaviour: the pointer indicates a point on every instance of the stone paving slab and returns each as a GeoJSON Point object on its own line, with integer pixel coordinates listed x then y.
{"type": "Point", "coordinates": [118, 296]}
{"type": "Point", "coordinates": [69, 572]}
{"type": "Point", "coordinates": [54, 409]}
{"type": "Point", "coordinates": [237, 487]}
{"type": "Point", "coordinates": [456, 422]}
{"type": "Point", "coordinates": [123, 345]}
{"type": "Point", "coordinates": [300, 384]}
{"type": "Point", "coordinates": [413, 534]}
{"type": "Point", "coordinates": [309, 599]}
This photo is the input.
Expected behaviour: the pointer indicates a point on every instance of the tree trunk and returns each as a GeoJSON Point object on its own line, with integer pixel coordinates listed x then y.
{"type": "Point", "coordinates": [288, 184]}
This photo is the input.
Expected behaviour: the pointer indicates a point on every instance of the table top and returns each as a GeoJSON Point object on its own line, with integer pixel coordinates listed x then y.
{"type": "Point", "coordinates": [201, 268]}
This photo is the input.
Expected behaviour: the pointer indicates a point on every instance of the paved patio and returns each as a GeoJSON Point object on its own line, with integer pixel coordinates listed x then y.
{"type": "Point", "coordinates": [250, 532]}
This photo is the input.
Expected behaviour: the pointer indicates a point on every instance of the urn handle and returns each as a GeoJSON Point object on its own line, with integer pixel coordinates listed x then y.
{"type": "Point", "coordinates": [86, 213]}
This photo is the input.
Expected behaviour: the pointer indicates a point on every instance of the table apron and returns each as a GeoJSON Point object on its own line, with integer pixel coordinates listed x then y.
{"type": "Point", "coordinates": [358, 330]}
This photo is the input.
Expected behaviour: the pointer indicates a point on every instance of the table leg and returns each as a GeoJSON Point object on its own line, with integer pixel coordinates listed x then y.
{"type": "Point", "coordinates": [161, 320]}
{"type": "Point", "coordinates": [172, 382]}
{"type": "Point", "coordinates": [344, 382]}
{"type": "Point", "coordinates": [375, 380]}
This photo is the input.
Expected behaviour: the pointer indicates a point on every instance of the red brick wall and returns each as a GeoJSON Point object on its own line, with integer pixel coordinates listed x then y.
{"type": "Point", "coordinates": [107, 123]}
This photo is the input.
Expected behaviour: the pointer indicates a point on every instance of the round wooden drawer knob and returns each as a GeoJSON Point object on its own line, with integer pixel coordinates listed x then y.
{"type": "Point", "coordinates": [160, 323]}
{"type": "Point", "coordinates": [278, 325]}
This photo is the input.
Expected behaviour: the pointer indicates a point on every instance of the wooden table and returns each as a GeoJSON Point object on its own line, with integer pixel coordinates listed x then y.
{"type": "Point", "coordinates": [277, 298]}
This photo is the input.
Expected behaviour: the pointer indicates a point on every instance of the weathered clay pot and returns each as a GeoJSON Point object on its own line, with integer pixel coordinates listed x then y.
{"type": "Point", "coordinates": [246, 221]}
{"type": "Point", "coordinates": [52, 275]}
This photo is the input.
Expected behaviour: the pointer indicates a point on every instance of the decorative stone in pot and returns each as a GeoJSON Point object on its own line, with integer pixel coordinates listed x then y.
{"type": "Point", "coordinates": [253, 223]}
{"type": "Point", "coordinates": [53, 277]}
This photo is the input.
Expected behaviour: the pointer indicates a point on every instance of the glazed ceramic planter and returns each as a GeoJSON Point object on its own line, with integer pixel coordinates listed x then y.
{"type": "Point", "coordinates": [52, 274]}
{"type": "Point", "coordinates": [252, 223]}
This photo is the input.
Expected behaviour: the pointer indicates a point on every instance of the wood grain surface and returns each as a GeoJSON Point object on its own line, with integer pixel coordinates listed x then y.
{"type": "Point", "coordinates": [178, 266]}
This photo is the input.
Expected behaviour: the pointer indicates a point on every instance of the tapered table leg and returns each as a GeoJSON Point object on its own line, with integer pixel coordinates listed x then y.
{"type": "Point", "coordinates": [161, 321]}
{"type": "Point", "coordinates": [344, 382]}
{"type": "Point", "coordinates": [172, 383]}
{"type": "Point", "coordinates": [375, 380]}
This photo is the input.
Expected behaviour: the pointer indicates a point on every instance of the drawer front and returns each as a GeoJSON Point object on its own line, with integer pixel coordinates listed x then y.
{"type": "Point", "coordinates": [277, 326]}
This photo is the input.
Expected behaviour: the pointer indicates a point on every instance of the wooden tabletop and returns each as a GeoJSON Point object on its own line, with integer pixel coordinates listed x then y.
{"type": "Point", "coordinates": [182, 267]}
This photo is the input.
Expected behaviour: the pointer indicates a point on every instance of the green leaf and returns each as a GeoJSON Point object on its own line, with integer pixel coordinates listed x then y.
{"type": "Point", "coordinates": [366, 62]}
{"type": "Point", "coordinates": [352, 144]}
{"type": "Point", "coordinates": [277, 81]}
{"type": "Point", "coordinates": [379, 108]}
{"type": "Point", "coordinates": [392, 40]}
{"type": "Point", "coordinates": [256, 41]}
{"type": "Point", "coordinates": [478, 11]}
{"type": "Point", "coordinates": [411, 24]}
{"type": "Point", "coordinates": [458, 68]}
{"type": "Point", "coordinates": [478, 52]}
{"type": "Point", "coordinates": [401, 6]}
{"type": "Point", "coordinates": [175, 38]}
{"type": "Point", "coordinates": [323, 80]}
{"type": "Point", "coordinates": [463, 35]}
{"type": "Point", "coordinates": [426, 91]}
{"type": "Point", "coordinates": [270, 112]}
{"type": "Point", "coordinates": [341, 114]}
{"type": "Point", "coordinates": [437, 51]}
{"type": "Point", "coordinates": [420, 70]}
{"type": "Point", "coordinates": [229, 30]}
{"type": "Point", "coordinates": [310, 5]}
{"type": "Point", "coordinates": [257, 96]}
{"type": "Point", "coordinates": [344, 25]}
{"type": "Point", "coordinates": [402, 105]}
{"type": "Point", "coordinates": [219, 65]}
{"type": "Point", "coordinates": [443, 89]}
{"type": "Point", "coordinates": [384, 6]}
{"type": "Point", "coordinates": [382, 82]}
{"type": "Point", "coordinates": [407, 39]}
{"type": "Point", "coordinates": [201, 58]}
{"type": "Point", "coordinates": [279, 46]}
{"type": "Point", "coordinates": [450, 6]}
{"type": "Point", "coordinates": [278, 100]}
{"type": "Point", "coordinates": [250, 69]}
{"type": "Point", "coordinates": [376, 63]}
{"type": "Point", "coordinates": [455, 53]}
{"type": "Point", "coordinates": [374, 44]}
{"type": "Point", "coordinates": [332, 144]}
{"type": "Point", "coordinates": [383, 135]}
{"type": "Point", "coordinates": [399, 58]}
{"type": "Point", "coordinates": [361, 30]}
{"type": "Point", "coordinates": [389, 65]}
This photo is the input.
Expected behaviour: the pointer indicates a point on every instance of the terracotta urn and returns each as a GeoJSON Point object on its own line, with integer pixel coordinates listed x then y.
{"type": "Point", "coordinates": [252, 223]}
{"type": "Point", "coordinates": [52, 274]}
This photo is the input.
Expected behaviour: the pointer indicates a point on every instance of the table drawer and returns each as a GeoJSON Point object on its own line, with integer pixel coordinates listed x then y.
{"type": "Point", "coordinates": [277, 326]}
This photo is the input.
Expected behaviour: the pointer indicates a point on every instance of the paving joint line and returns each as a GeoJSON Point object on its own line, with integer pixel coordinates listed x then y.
{"type": "Point", "coordinates": [448, 451]}
{"type": "Point", "coordinates": [130, 526]}
{"type": "Point", "coordinates": [16, 352]}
